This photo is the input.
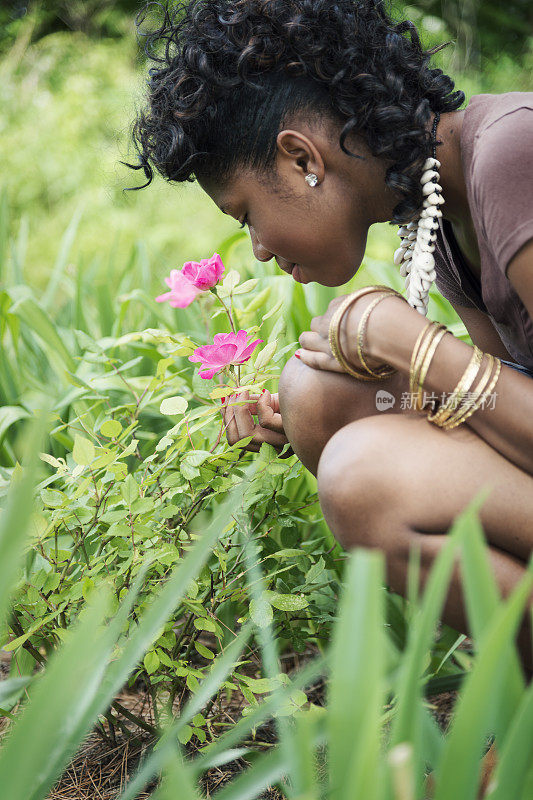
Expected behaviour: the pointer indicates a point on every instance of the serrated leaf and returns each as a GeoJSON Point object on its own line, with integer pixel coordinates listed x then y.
{"type": "Point", "coordinates": [83, 451]}
{"type": "Point", "coordinates": [172, 406]}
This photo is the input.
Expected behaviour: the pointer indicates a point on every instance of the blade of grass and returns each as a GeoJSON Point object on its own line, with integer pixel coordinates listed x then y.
{"type": "Point", "coordinates": [516, 754]}
{"type": "Point", "coordinates": [58, 271]}
{"type": "Point", "coordinates": [457, 775]}
{"type": "Point", "coordinates": [222, 667]}
{"type": "Point", "coordinates": [356, 690]}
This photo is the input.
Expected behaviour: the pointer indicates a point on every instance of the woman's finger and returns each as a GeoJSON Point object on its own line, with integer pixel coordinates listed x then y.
{"type": "Point", "coordinates": [230, 421]}
{"type": "Point", "coordinates": [310, 340]}
{"type": "Point", "coordinates": [268, 418]}
{"type": "Point", "coordinates": [318, 360]}
{"type": "Point", "coordinates": [243, 418]}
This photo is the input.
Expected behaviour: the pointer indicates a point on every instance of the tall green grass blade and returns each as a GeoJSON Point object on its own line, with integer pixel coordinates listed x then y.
{"type": "Point", "coordinates": [62, 259]}
{"type": "Point", "coordinates": [481, 600]}
{"type": "Point", "coordinates": [14, 520]}
{"type": "Point", "coordinates": [405, 727]}
{"type": "Point", "coordinates": [516, 754]}
{"type": "Point", "coordinates": [40, 323]}
{"type": "Point", "coordinates": [222, 667]}
{"type": "Point", "coordinates": [9, 415]}
{"type": "Point", "coordinates": [267, 770]}
{"type": "Point", "coordinates": [456, 778]}
{"type": "Point", "coordinates": [305, 778]}
{"type": "Point", "coordinates": [4, 233]}
{"type": "Point", "coordinates": [236, 733]}
{"type": "Point", "coordinates": [177, 781]}
{"type": "Point", "coordinates": [356, 694]}
{"type": "Point", "coordinates": [43, 735]}
{"type": "Point", "coordinates": [72, 680]}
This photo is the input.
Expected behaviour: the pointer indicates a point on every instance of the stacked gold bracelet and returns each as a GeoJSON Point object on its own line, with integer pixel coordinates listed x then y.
{"type": "Point", "coordinates": [450, 414]}
{"type": "Point", "coordinates": [456, 410]}
{"type": "Point", "coordinates": [334, 334]}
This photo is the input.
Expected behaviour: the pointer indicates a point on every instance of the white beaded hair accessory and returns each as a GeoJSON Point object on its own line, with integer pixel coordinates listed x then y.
{"type": "Point", "coordinates": [415, 254]}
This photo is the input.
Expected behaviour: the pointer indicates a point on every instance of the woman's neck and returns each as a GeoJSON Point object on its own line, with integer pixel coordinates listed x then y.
{"type": "Point", "coordinates": [455, 208]}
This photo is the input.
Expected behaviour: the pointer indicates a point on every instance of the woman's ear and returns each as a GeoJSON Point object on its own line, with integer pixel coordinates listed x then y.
{"type": "Point", "coordinates": [300, 153]}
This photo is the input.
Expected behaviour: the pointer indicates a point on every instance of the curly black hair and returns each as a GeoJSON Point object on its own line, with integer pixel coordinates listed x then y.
{"type": "Point", "coordinates": [228, 73]}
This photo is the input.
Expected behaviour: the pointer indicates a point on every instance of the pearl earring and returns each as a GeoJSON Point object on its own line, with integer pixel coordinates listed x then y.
{"type": "Point", "coordinates": [311, 179]}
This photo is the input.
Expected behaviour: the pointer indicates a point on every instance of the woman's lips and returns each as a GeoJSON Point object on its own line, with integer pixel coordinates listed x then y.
{"type": "Point", "coordinates": [296, 273]}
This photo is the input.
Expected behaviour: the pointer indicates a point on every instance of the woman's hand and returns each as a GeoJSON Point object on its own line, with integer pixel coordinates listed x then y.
{"type": "Point", "coordinates": [238, 412]}
{"type": "Point", "coordinates": [316, 352]}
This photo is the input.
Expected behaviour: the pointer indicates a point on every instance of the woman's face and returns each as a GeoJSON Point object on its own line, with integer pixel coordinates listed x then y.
{"type": "Point", "coordinates": [321, 229]}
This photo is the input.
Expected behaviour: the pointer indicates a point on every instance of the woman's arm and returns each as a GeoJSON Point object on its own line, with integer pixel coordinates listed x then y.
{"type": "Point", "coordinates": [390, 337]}
{"type": "Point", "coordinates": [482, 332]}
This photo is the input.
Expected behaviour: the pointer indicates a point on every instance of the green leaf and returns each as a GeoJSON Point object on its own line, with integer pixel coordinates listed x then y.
{"type": "Point", "coordinates": [172, 406]}
{"type": "Point", "coordinates": [111, 428]}
{"type": "Point", "coordinates": [129, 490]}
{"type": "Point", "coordinates": [287, 602]}
{"type": "Point", "coordinates": [357, 687]}
{"type": "Point", "coordinates": [151, 661]}
{"type": "Point", "coordinates": [265, 355]}
{"type": "Point", "coordinates": [203, 650]}
{"type": "Point", "coordinates": [196, 457]}
{"type": "Point", "coordinates": [261, 612]}
{"type": "Point", "coordinates": [83, 452]}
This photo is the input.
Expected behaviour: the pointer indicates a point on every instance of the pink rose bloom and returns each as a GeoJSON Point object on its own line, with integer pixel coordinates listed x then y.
{"type": "Point", "coordinates": [228, 348]}
{"type": "Point", "coordinates": [205, 274]}
{"type": "Point", "coordinates": [182, 291]}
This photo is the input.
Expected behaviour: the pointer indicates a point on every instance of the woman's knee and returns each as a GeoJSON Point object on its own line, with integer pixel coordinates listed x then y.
{"type": "Point", "coordinates": [307, 419]}
{"type": "Point", "coordinates": [358, 493]}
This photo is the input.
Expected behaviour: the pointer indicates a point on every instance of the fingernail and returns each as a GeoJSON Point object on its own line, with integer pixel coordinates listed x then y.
{"type": "Point", "coordinates": [297, 354]}
{"type": "Point", "coordinates": [222, 400]}
{"type": "Point", "coordinates": [263, 391]}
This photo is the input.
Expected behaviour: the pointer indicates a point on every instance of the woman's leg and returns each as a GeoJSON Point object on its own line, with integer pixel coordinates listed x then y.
{"type": "Point", "coordinates": [314, 404]}
{"type": "Point", "coordinates": [390, 479]}
{"type": "Point", "coordinates": [396, 481]}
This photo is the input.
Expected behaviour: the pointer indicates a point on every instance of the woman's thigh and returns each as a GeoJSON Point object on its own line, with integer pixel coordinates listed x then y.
{"type": "Point", "coordinates": [400, 470]}
{"type": "Point", "coordinates": [314, 404]}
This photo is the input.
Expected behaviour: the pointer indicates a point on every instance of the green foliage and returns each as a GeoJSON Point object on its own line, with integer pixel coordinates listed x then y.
{"type": "Point", "coordinates": [155, 552]}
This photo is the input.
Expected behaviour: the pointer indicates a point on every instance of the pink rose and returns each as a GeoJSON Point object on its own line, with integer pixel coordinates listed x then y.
{"type": "Point", "coordinates": [182, 291]}
{"type": "Point", "coordinates": [228, 348]}
{"type": "Point", "coordinates": [206, 274]}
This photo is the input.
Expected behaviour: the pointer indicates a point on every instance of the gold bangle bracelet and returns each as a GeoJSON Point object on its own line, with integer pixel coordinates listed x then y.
{"type": "Point", "coordinates": [418, 356]}
{"type": "Point", "coordinates": [419, 405]}
{"type": "Point", "coordinates": [470, 404]}
{"type": "Point", "coordinates": [414, 356]}
{"type": "Point", "coordinates": [334, 330]}
{"type": "Point", "coordinates": [383, 372]}
{"type": "Point", "coordinates": [487, 391]}
{"type": "Point", "coordinates": [463, 385]}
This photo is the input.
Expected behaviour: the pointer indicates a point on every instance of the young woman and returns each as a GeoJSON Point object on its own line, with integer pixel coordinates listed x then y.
{"type": "Point", "coordinates": [309, 121]}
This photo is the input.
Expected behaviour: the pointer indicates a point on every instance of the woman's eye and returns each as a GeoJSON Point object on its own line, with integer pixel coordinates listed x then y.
{"type": "Point", "coordinates": [245, 220]}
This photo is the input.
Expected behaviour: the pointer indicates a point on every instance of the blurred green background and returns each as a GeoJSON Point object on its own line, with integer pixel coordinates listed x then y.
{"type": "Point", "coordinates": [71, 77]}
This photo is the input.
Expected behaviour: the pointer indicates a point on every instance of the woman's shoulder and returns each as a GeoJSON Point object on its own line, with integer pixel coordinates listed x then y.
{"type": "Point", "coordinates": [498, 158]}
{"type": "Point", "coordinates": [485, 110]}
